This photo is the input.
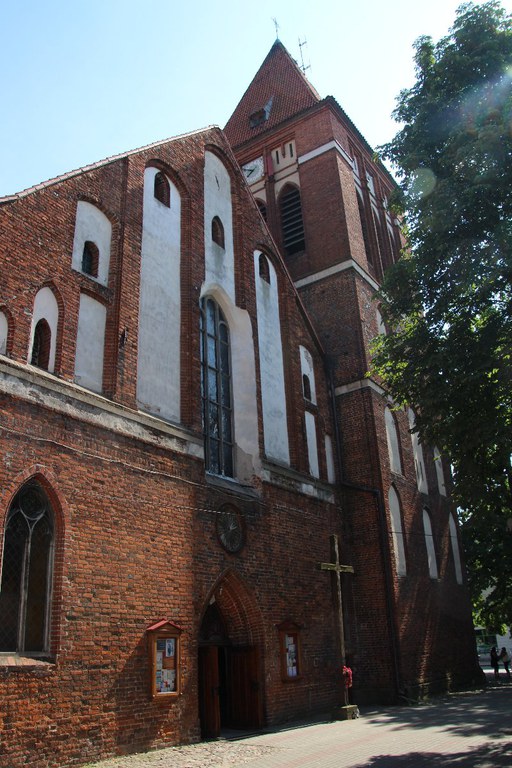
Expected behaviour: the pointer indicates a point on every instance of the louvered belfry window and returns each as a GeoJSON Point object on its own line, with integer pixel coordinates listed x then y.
{"type": "Point", "coordinates": [291, 220]}
{"type": "Point", "coordinates": [27, 562]}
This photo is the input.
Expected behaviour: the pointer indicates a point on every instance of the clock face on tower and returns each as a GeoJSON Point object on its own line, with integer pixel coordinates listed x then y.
{"type": "Point", "coordinates": [253, 170]}
{"type": "Point", "coordinates": [230, 530]}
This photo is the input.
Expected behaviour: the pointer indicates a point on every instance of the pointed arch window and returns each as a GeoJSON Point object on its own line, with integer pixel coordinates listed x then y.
{"type": "Point", "coordinates": [218, 232]}
{"type": "Point", "coordinates": [90, 258]}
{"type": "Point", "coordinates": [455, 549]}
{"type": "Point", "coordinates": [419, 464]}
{"type": "Point", "coordinates": [216, 389]}
{"type": "Point", "coordinates": [429, 544]}
{"type": "Point", "coordinates": [395, 462]}
{"type": "Point", "coordinates": [366, 235]}
{"type": "Point", "coordinates": [162, 189]}
{"type": "Point", "coordinates": [41, 345]}
{"type": "Point", "coordinates": [397, 532]}
{"type": "Point", "coordinates": [292, 223]}
{"type": "Point", "coordinates": [27, 565]}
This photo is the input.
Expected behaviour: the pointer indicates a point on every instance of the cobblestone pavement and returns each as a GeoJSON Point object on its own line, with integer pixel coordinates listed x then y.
{"type": "Point", "coordinates": [468, 730]}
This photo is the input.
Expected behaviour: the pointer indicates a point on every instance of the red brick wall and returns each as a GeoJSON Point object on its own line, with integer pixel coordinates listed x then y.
{"type": "Point", "coordinates": [135, 520]}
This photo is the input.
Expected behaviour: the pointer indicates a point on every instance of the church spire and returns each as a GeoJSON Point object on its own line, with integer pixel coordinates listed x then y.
{"type": "Point", "coordinates": [278, 91]}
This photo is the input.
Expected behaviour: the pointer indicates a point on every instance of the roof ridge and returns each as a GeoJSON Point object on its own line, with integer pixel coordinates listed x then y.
{"type": "Point", "coordinates": [99, 164]}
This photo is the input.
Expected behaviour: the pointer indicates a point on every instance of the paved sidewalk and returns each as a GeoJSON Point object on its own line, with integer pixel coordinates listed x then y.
{"type": "Point", "coordinates": [468, 730]}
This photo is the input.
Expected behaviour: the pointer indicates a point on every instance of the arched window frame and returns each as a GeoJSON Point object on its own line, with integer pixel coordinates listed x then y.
{"type": "Point", "coordinates": [419, 462]}
{"type": "Point", "coordinates": [365, 232]}
{"type": "Point", "coordinates": [216, 390]}
{"type": "Point", "coordinates": [90, 259]}
{"type": "Point", "coordinates": [27, 573]}
{"type": "Point", "coordinates": [429, 545]}
{"type": "Point", "coordinates": [397, 531]}
{"type": "Point", "coordinates": [41, 345]}
{"type": "Point", "coordinates": [393, 440]}
{"type": "Point", "coordinates": [454, 541]}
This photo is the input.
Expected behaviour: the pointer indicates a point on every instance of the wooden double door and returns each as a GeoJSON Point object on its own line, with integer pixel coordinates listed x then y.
{"type": "Point", "coordinates": [230, 694]}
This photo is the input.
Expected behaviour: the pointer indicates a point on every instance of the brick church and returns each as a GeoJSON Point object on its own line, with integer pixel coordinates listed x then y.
{"type": "Point", "coordinates": [191, 445]}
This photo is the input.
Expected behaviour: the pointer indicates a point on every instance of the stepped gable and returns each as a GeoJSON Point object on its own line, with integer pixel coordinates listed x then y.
{"type": "Point", "coordinates": [278, 91]}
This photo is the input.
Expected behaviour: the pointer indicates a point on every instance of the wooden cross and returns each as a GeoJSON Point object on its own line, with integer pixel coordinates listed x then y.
{"type": "Point", "coordinates": [337, 569]}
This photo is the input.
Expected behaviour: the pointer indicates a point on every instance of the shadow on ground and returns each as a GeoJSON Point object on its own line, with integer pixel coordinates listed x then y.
{"type": "Point", "coordinates": [469, 714]}
{"type": "Point", "coordinates": [497, 756]}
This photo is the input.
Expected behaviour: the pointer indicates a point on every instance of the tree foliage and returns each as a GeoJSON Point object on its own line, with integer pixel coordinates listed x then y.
{"type": "Point", "coordinates": [448, 300]}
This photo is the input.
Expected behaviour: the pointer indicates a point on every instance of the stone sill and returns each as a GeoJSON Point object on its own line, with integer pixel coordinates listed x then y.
{"type": "Point", "coordinates": [13, 660]}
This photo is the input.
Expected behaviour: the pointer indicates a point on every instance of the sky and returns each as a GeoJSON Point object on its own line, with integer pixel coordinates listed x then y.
{"type": "Point", "coordinates": [83, 80]}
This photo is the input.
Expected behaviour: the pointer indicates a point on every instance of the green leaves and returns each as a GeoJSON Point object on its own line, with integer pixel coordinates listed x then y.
{"type": "Point", "coordinates": [449, 300]}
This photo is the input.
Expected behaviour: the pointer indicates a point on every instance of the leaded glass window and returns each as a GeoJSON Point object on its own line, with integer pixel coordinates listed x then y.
{"type": "Point", "coordinates": [216, 390]}
{"type": "Point", "coordinates": [27, 562]}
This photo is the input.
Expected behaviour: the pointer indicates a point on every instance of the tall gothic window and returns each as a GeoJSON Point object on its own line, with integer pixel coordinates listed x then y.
{"type": "Point", "coordinates": [27, 562]}
{"type": "Point", "coordinates": [393, 442]}
{"type": "Point", "coordinates": [291, 220]}
{"type": "Point", "coordinates": [429, 544]}
{"type": "Point", "coordinates": [216, 390]}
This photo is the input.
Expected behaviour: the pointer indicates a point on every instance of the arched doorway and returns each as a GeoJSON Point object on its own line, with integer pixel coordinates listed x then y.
{"type": "Point", "coordinates": [230, 660]}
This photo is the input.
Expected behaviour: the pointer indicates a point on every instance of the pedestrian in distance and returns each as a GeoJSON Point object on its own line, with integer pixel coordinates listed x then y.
{"type": "Point", "coordinates": [495, 664]}
{"type": "Point", "coordinates": [505, 660]}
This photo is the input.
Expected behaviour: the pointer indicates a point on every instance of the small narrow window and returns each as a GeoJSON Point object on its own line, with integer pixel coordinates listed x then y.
{"type": "Point", "coordinates": [306, 387]}
{"type": "Point", "coordinates": [455, 549]}
{"type": "Point", "coordinates": [264, 270]}
{"type": "Point", "coordinates": [4, 333]}
{"type": "Point", "coordinates": [429, 544]}
{"type": "Point", "coordinates": [291, 149]}
{"type": "Point", "coordinates": [41, 345]}
{"type": "Point", "coordinates": [397, 532]}
{"type": "Point", "coordinates": [395, 462]}
{"type": "Point", "coordinates": [277, 157]}
{"type": "Point", "coordinates": [218, 231]}
{"type": "Point", "coordinates": [90, 259]}
{"type": "Point", "coordinates": [162, 190]}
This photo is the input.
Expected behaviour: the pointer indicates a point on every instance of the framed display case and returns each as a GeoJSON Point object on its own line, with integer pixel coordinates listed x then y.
{"type": "Point", "coordinates": [164, 659]}
{"type": "Point", "coordinates": [289, 650]}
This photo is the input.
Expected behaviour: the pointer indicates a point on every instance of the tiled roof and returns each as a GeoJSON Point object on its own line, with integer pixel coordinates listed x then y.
{"type": "Point", "coordinates": [279, 88]}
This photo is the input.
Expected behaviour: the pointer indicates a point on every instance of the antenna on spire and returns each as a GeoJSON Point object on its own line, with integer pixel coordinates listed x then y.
{"type": "Point", "coordinates": [303, 66]}
{"type": "Point", "coordinates": [276, 25]}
